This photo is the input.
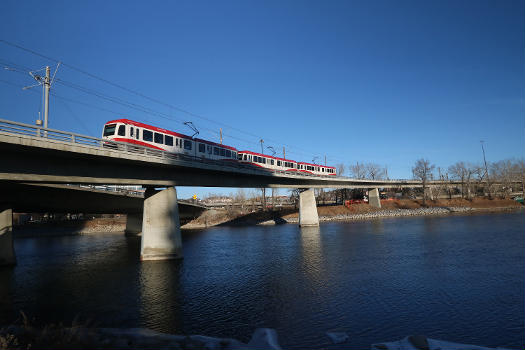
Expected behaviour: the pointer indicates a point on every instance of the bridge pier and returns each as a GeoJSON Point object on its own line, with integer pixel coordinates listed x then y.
{"type": "Point", "coordinates": [307, 208]}
{"type": "Point", "coordinates": [7, 249]}
{"type": "Point", "coordinates": [161, 239]}
{"type": "Point", "coordinates": [373, 198]}
{"type": "Point", "coordinates": [133, 224]}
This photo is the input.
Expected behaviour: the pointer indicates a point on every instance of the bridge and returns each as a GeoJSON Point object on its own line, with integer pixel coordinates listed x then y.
{"type": "Point", "coordinates": [34, 155]}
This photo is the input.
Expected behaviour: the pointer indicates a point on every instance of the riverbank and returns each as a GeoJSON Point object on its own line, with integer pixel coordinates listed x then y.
{"type": "Point", "coordinates": [397, 208]}
{"type": "Point", "coordinates": [215, 217]}
{"type": "Point", "coordinates": [71, 227]}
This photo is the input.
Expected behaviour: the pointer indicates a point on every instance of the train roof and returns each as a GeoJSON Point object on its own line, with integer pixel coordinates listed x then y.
{"type": "Point", "coordinates": [268, 156]}
{"type": "Point", "coordinates": [324, 166]}
{"type": "Point", "coordinates": [151, 127]}
{"type": "Point", "coordinates": [287, 160]}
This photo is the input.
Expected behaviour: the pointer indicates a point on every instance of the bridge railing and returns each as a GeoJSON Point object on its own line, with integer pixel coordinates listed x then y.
{"type": "Point", "coordinates": [22, 129]}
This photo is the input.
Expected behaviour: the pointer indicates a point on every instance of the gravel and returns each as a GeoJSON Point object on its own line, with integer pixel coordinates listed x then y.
{"type": "Point", "coordinates": [391, 213]}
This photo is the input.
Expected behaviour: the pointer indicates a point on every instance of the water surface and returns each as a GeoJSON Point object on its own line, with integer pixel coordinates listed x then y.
{"type": "Point", "coordinates": [459, 278]}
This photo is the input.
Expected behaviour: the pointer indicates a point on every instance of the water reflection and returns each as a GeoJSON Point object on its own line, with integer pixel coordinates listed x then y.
{"type": "Point", "coordinates": [378, 227]}
{"type": "Point", "coordinates": [160, 294]}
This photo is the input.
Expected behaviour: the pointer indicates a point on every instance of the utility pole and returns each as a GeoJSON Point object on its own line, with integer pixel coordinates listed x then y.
{"type": "Point", "coordinates": [220, 131]}
{"type": "Point", "coordinates": [486, 168]}
{"type": "Point", "coordinates": [284, 153]}
{"type": "Point", "coordinates": [47, 86]}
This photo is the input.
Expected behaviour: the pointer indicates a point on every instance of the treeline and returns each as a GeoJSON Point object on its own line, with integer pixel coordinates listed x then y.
{"type": "Point", "coordinates": [499, 178]}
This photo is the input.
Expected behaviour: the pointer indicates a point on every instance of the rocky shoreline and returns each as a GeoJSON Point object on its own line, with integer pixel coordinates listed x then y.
{"type": "Point", "coordinates": [399, 213]}
{"type": "Point", "coordinates": [390, 213]}
{"type": "Point", "coordinates": [117, 226]}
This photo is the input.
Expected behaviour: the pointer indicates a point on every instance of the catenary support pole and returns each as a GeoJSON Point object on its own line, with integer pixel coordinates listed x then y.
{"type": "Point", "coordinates": [161, 238]}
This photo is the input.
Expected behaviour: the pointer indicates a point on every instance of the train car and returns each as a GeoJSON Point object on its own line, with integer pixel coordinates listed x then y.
{"type": "Point", "coordinates": [125, 130]}
{"type": "Point", "coordinates": [316, 169]}
{"type": "Point", "coordinates": [267, 161]}
{"type": "Point", "coordinates": [275, 163]}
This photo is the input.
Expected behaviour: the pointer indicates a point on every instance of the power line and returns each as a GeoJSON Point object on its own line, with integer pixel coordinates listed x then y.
{"type": "Point", "coordinates": [153, 99]}
{"type": "Point", "coordinates": [246, 142]}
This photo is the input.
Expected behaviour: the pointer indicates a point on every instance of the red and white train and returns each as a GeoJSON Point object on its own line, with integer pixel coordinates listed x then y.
{"type": "Point", "coordinates": [125, 130]}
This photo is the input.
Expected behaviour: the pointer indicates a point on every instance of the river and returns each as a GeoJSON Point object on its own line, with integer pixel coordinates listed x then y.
{"type": "Point", "coordinates": [457, 278]}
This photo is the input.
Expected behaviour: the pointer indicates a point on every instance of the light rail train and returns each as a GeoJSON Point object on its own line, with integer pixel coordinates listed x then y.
{"type": "Point", "coordinates": [129, 131]}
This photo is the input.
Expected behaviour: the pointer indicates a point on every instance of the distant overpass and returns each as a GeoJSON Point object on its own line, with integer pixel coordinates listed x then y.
{"type": "Point", "coordinates": [56, 198]}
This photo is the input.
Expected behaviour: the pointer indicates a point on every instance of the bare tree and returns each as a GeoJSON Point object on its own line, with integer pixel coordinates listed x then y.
{"type": "Point", "coordinates": [357, 171]}
{"type": "Point", "coordinates": [371, 171]}
{"type": "Point", "coordinates": [240, 198]}
{"type": "Point", "coordinates": [464, 171]}
{"type": "Point", "coordinates": [423, 171]}
{"type": "Point", "coordinates": [375, 171]}
{"type": "Point", "coordinates": [340, 169]}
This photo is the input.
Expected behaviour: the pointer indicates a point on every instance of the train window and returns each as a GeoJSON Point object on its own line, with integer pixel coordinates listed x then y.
{"type": "Point", "coordinates": [222, 152]}
{"type": "Point", "coordinates": [245, 157]}
{"type": "Point", "coordinates": [278, 163]}
{"type": "Point", "coordinates": [131, 131]}
{"type": "Point", "coordinates": [209, 148]}
{"type": "Point", "coordinates": [228, 153]}
{"type": "Point", "coordinates": [202, 148]}
{"type": "Point", "coordinates": [122, 130]}
{"type": "Point", "coordinates": [240, 157]}
{"type": "Point", "coordinates": [168, 140]}
{"type": "Point", "coordinates": [215, 151]}
{"type": "Point", "coordinates": [109, 130]}
{"type": "Point", "coordinates": [159, 138]}
{"type": "Point", "coordinates": [137, 134]}
{"type": "Point", "coordinates": [147, 135]}
{"type": "Point", "coordinates": [234, 155]}
{"type": "Point", "coordinates": [176, 142]}
{"type": "Point", "coordinates": [187, 145]}
{"type": "Point", "coordinates": [271, 161]}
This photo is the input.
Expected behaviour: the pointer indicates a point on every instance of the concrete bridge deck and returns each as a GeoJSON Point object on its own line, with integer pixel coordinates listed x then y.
{"type": "Point", "coordinates": [32, 154]}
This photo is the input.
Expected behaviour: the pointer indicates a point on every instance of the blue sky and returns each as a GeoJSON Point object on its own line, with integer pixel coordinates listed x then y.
{"type": "Point", "coordinates": [370, 81]}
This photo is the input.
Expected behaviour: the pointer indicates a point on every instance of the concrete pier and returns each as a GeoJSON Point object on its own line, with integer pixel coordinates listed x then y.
{"type": "Point", "coordinates": [133, 224]}
{"type": "Point", "coordinates": [7, 249]}
{"type": "Point", "coordinates": [161, 239]}
{"type": "Point", "coordinates": [373, 198]}
{"type": "Point", "coordinates": [307, 208]}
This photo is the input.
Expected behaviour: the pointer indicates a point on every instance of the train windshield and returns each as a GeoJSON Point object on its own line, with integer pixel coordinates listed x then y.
{"type": "Point", "coordinates": [109, 130]}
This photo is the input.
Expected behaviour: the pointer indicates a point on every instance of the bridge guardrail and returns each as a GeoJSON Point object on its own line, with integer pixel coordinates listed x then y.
{"type": "Point", "coordinates": [22, 129]}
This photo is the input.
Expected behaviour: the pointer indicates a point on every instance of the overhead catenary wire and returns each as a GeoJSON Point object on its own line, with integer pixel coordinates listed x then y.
{"type": "Point", "coordinates": [138, 107]}
{"type": "Point", "coordinates": [291, 149]}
